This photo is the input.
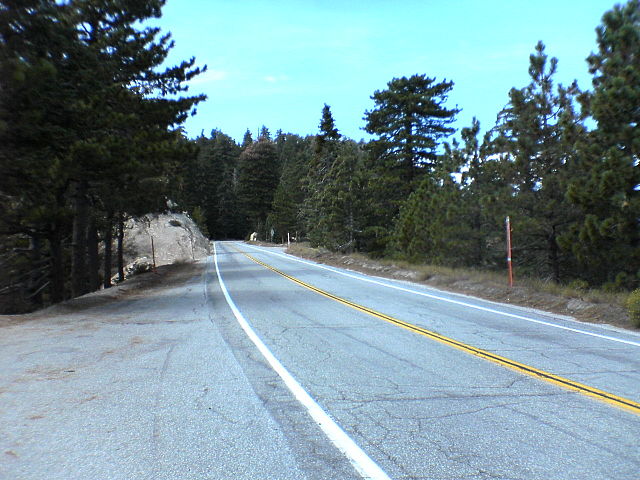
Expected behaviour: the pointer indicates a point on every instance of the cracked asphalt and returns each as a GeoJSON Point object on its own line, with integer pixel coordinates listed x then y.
{"type": "Point", "coordinates": [165, 385]}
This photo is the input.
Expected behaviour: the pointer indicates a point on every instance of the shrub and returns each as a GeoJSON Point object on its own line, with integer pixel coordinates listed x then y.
{"type": "Point", "coordinates": [633, 307]}
{"type": "Point", "coordinates": [578, 284]}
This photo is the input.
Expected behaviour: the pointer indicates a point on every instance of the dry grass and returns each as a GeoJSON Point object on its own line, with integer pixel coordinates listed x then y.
{"type": "Point", "coordinates": [591, 305]}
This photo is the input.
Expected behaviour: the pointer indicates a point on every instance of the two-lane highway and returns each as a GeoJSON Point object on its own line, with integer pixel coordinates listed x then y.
{"type": "Point", "coordinates": [367, 353]}
{"type": "Point", "coordinates": [256, 365]}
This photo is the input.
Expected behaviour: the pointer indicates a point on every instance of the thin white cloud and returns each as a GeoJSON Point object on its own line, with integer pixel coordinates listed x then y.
{"type": "Point", "coordinates": [275, 78]}
{"type": "Point", "coordinates": [210, 76]}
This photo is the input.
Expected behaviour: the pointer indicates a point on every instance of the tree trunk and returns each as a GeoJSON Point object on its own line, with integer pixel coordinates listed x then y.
{"type": "Point", "coordinates": [351, 228]}
{"type": "Point", "coordinates": [56, 287]}
{"type": "Point", "coordinates": [409, 159]}
{"type": "Point", "coordinates": [478, 255]}
{"type": "Point", "coordinates": [120, 246]}
{"type": "Point", "coordinates": [554, 261]}
{"type": "Point", "coordinates": [108, 244]}
{"type": "Point", "coordinates": [93, 257]}
{"type": "Point", "coordinates": [35, 277]}
{"type": "Point", "coordinates": [79, 278]}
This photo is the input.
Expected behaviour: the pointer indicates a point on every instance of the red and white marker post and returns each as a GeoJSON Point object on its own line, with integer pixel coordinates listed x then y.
{"type": "Point", "coordinates": [509, 263]}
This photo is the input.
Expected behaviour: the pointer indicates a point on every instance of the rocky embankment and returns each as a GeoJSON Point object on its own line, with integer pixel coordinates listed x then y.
{"type": "Point", "coordinates": [170, 238]}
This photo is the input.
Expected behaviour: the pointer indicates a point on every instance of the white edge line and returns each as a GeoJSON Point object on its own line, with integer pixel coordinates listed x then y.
{"type": "Point", "coordinates": [456, 302]}
{"type": "Point", "coordinates": [363, 464]}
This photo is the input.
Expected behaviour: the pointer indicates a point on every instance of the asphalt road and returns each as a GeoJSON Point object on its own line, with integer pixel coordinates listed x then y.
{"type": "Point", "coordinates": [239, 372]}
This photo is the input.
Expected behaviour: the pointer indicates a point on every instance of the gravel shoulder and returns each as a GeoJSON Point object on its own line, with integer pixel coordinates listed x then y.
{"type": "Point", "coordinates": [147, 380]}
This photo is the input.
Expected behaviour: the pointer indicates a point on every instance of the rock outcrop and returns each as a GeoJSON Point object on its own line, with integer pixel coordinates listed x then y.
{"type": "Point", "coordinates": [175, 236]}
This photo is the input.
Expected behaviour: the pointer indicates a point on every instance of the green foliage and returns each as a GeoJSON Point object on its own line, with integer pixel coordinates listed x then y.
{"type": "Point", "coordinates": [333, 206]}
{"type": "Point", "coordinates": [578, 284]}
{"type": "Point", "coordinates": [89, 116]}
{"type": "Point", "coordinates": [294, 157]}
{"type": "Point", "coordinates": [283, 211]}
{"type": "Point", "coordinates": [89, 134]}
{"type": "Point", "coordinates": [341, 201]}
{"type": "Point", "coordinates": [247, 139]}
{"type": "Point", "coordinates": [454, 217]}
{"type": "Point", "coordinates": [328, 130]}
{"type": "Point", "coordinates": [199, 217]}
{"type": "Point", "coordinates": [318, 179]}
{"type": "Point", "coordinates": [410, 120]}
{"type": "Point", "coordinates": [209, 184]}
{"type": "Point", "coordinates": [264, 133]}
{"type": "Point", "coordinates": [606, 241]}
{"type": "Point", "coordinates": [433, 224]}
{"type": "Point", "coordinates": [633, 307]}
{"type": "Point", "coordinates": [257, 182]}
{"type": "Point", "coordinates": [536, 132]}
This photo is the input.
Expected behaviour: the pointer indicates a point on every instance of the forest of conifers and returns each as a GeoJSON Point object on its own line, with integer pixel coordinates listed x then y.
{"type": "Point", "coordinates": [90, 136]}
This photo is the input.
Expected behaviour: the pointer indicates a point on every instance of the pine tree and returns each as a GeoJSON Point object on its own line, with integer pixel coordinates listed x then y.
{"type": "Point", "coordinates": [123, 80]}
{"type": "Point", "coordinates": [294, 156]}
{"type": "Point", "coordinates": [608, 240]}
{"type": "Point", "coordinates": [222, 222]}
{"type": "Point", "coordinates": [484, 196]}
{"type": "Point", "coordinates": [328, 130]}
{"type": "Point", "coordinates": [315, 208]}
{"type": "Point", "coordinates": [264, 133]}
{"type": "Point", "coordinates": [343, 200]}
{"type": "Point", "coordinates": [410, 119]}
{"type": "Point", "coordinates": [284, 212]}
{"type": "Point", "coordinates": [438, 223]}
{"type": "Point", "coordinates": [257, 183]}
{"type": "Point", "coordinates": [100, 119]}
{"type": "Point", "coordinates": [432, 225]}
{"type": "Point", "coordinates": [530, 137]}
{"type": "Point", "coordinates": [36, 96]}
{"type": "Point", "coordinates": [247, 139]}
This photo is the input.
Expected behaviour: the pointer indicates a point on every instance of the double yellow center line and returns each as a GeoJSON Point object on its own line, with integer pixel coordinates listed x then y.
{"type": "Point", "coordinates": [506, 362]}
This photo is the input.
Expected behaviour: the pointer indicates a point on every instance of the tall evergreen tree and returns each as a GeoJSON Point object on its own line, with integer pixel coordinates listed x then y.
{"type": "Point", "coordinates": [432, 226]}
{"type": "Point", "coordinates": [410, 119]}
{"type": "Point", "coordinates": [223, 221]}
{"type": "Point", "coordinates": [485, 193]}
{"type": "Point", "coordinates": [294, 156]}
{"type": "Point", "coordinates": [328, 130]}
{"type": "Point", "coordinates": [37, 95]}
{"type": "Point", "coordinates": [608, 243]}
{"type": "Point", "coordinates": [342, 201]}
{"type": "Point", "coordinates": [484, 198]}
{"type": "Point", "coordinates": [247, 139]}
{"type": "Point", "coordinates": [531, 138]}
{"type": "Point", "coordinates": [122, 79]}
{"type": "Point", "coordinates": [257, 183]}
{"type": "Point", "coordinates": [318, 177]}
{"type": "Point", "coordinates": [103, 119]}
{"type": "Point", "coordinates": [284, 212]}
{"type": "Point", "coordinates": [264, 133]}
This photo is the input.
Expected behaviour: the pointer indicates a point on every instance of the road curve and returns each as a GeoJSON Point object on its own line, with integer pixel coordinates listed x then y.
{"type": "Point", "coordinates": [231, 369]}
{"type": "Point", "coordinates": [421, 409]}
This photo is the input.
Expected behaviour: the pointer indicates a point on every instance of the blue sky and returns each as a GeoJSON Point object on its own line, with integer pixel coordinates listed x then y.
{"type": "Point", "coordinates": [276, 63]}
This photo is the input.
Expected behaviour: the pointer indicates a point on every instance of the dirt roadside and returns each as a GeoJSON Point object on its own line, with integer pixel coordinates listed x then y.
{"type": "Point", "coordinates": [165, 276]}
{"type": "Point", "coordinates": [577, 307]}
